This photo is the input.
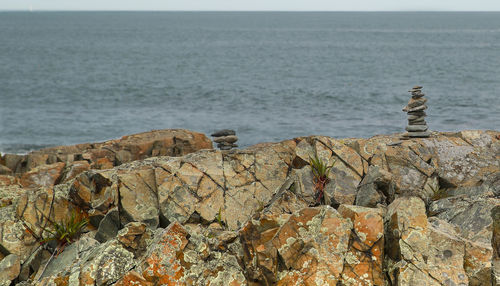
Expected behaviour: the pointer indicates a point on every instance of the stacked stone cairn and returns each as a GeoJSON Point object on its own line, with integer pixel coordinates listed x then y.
{"type": "Point", "coordinates": [417, 127]}
{"type": "Point", "coordinates": [225, 139]}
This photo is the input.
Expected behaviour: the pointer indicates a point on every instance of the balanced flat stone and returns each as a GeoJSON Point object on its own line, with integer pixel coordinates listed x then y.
{"type": "Point", "coordinates": [419, 134]}
{"type": "Point", "coordinates": [223, 132]}
{"type": "Point", "coordinates": [228, 139]}
{"type": "Point", "coordinates": [226, 146]}
{"type": "Point", "coordinates": [416, 117]}
{"type": "Point", "coordinates": [417, 113]}
{"type": "Point", "coordinates": [416, 128]}
{"type": "Point", "coordinates": [416, 122]}
{"type": "Point", "coordinates": [416, 102]}
{"type": "Point", "coordinates": [418, 108]}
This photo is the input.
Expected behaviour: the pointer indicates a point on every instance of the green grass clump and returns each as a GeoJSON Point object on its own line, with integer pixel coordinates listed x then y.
{"type": "Point", "coordinates": [67, 231]}
{"type": "Point", "coordinates": [438, 193]}
{"type": "Point", "coordinates": [320, 172]}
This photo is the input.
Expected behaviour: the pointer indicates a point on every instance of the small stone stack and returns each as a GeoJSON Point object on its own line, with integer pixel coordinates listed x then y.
{"type": "Point", "coordinates": [225, 139]}
{"type": "Point", "coordinates": [417, 127]}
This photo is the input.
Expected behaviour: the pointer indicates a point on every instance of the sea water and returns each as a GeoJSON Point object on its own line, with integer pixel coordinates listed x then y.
{"type": "Point", "coordinates": [75, 77]}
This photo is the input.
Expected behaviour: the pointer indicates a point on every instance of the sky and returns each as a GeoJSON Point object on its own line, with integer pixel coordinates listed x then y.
{"type": "Point", "coordinates": [255, 5]}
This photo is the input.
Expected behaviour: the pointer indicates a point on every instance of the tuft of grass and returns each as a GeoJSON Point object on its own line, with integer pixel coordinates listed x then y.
{"type": "Point", "coordinates": [66, 231]}
{"type": "Point", "coordinates": [438, 193]}
{"type": "Point", "coordinates": [219, 218]}
{"type": "Point", "coordinates": [320, 172]}
{"type": "Point", "coordinates": [63, 233]}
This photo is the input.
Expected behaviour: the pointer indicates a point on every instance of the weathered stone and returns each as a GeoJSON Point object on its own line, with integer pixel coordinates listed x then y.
{"type": "Point", "coordinates": [416, 102]}
{"type": "Point", "coordinates": [407, 244]}
{"type": "Point", "coordinates": [96, 192]}
{"type": "Point", "coordinates": [4, 170]}
{"type": "Point", "coordinates": [12, 161]}
{"type": "Point", "coordinates": [223, 132]}
{"type": "Point", "coordinates": [363, 262]}
{"type": "Point", "coordinates": [495, 243]}
{"type": "Point", "coordinates": [67, 261]}
{"type": "Point", "coordinates": [14, 237]}
{"type": "Point", "coordinates": [376, 188]}
{"type": "Point", "coordinates": [416, 128]}
{"type": "Point", "coordinates": [227, 139]}
{"type": "Point", "coordinates": [471, 215]}
{"type": "Point", "coordinates": [460, 164]}
{"type": "Point", "coordinates": [312, 244]}
{"type": "Point", "coordinates": [416, 117]}
{"type": "Point", "coordinates": [42, 176]}
{"type": "Point", "coordinates": [108, 226]}
{"type": "Point", "coordinates": [133, 237]}
{"type": "Point", "coordinates": [73, 169]}
{"type": "Point", "coordinates": [10, 267]}
{"type": "Point", "coordinates": [105, 155]}
{"type": "Point", "coordinates": [422, 252]}
{"type": "Point", "coordinates": [161, 264]}
{"type": "Point", "coordinates": [6, 181]}
{"type": "Point", "coordinates": [138, 197]}
{"type": "Point", "coordinates": [133, 278]}
{"type": "Point", "coordinates": [105, 264]}
{"type": "Point", "coordinates": [260, 256]}
{"type": "Point", "coordinates": [341, 188]}
{"type": "Point", "coordinates": [40, 210]}
{"type": "Point", "coordinates": [409, 171]}
{"type": "Point", "coordinates": [445, 254]}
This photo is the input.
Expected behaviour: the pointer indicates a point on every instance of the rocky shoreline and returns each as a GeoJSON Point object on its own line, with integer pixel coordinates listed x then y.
{"type": "Point", "coordinates": [165, 208]}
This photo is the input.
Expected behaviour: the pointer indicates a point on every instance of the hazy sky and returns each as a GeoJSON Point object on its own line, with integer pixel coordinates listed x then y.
{"type": "Point", "coordinates": [284, 5]}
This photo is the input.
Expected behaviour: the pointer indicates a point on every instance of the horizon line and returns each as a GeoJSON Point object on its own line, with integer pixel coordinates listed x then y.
{"type": "Point", "coordinates": [286, 11]}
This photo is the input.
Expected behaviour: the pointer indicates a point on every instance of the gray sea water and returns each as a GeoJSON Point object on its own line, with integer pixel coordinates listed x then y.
{"type": "Point", "coordinates": [74, 77]}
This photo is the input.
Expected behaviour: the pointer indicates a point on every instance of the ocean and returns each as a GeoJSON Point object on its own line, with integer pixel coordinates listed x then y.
{"type": "Point", "coordinates": [76, 77]}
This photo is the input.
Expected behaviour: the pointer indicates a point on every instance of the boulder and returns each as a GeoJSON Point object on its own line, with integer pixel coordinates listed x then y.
{"type": "Point", "coordinates": [42, 176]}
{"type": "Point", "coordinates": [10, 267]}
{"type": "Point", "coordinates": [311, 245]}
{"type": "Point", "coordinates": [364, 259]}
{"type": "Point", "coordinates": [6, 180]}
{"type": "Point", "coordinates": [106, 155]}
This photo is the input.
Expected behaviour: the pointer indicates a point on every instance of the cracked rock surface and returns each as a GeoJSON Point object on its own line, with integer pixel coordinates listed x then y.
{"type": "Point", "coordinates": [423, 211]}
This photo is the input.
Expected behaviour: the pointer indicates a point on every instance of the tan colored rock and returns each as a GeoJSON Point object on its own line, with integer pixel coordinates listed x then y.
{"type": "Point", "coordinates": [12, 161]}
{"type": "Point", "coordinates": [407, 230]}
{"type": "Point", "coordinates": [42, 176]}
{"type": "Point", "coordinates": [73, 169]}
{"type": "Point", "coordinates": [4, 170]}
{"type": "Point", "coordinates": [133, 278]}
{"type": "Point", "coordinates": [445, 255]}
{"type": "Point", "coordinates": [341, 188]}
{"type": "Point", "coordinates": [312, 244]}
{"type": "Point", "coordinates": [133, 237]}
{"type": "Point", "coordinates": [138, 197]}
{"type": "Point", "coordinates": [460, 164]}
{"type": "Point", "coordinates": [105, 264]}
{"type": "Point", "coordinates": [10, 267]}
{"type": "Point", "coordinates": [6, 181]}
{"type": "Point", "coordinates": [39, 210]}
{"type": "Point", "coordinates": [363, 262]}
{"type": "Point", "coordinates": [376, 188]}
{"type": "Point", "coordinates": [422, 252]}
{"type": "Point", "coordinates": [495, 243]}
{"type": "Point", "coordinates": [95, 192]}
{"type": "Point", "coordinates": [102, 163]}
{"type": "Point", "coordinates": [260, 256]}
{"type": "Point", "coordinates": [161, 264]}
{"type": "Point", "coordinates": [106, 155]}
{"type": "Point", "coordinates": [14, 237]}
